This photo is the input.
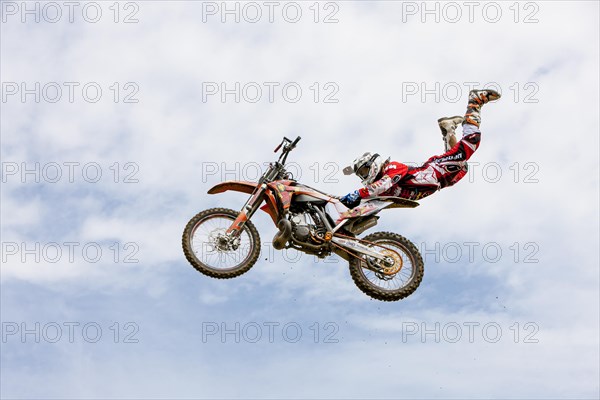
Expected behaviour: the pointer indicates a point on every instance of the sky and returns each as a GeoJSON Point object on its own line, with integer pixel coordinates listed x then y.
{"type": "Point", "coordinates": [117, 117]}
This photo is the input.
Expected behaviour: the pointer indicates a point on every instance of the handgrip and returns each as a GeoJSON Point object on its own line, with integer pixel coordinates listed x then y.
{"type": "Point", "coordinates": [289, 146]}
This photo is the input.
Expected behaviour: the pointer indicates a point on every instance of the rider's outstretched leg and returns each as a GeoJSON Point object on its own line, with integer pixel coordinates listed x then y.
{"type": "Point", "coordinates": [450, 167]}
{"type": "Point", "coordinates": [472, 118]}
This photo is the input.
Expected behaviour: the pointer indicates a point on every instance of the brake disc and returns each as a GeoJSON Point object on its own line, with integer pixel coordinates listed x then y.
{"type": "Point", "coordinates": [393, 256]}
{"type": "Point", "coordinates": [221, 242]}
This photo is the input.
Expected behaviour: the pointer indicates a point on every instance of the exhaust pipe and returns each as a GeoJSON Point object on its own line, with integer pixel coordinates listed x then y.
{"type": "Point", "coordinates": [285, 233]}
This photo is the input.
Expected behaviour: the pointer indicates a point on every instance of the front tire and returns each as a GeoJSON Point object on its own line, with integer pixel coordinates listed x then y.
{"type": "Point", "coordinates": [206, 249]}
{"type": "Point", "coordinates": [394, 287]}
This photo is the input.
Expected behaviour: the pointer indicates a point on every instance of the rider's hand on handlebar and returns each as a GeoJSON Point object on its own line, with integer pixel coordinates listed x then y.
{"type": "Point", "coordinates": [351, 200]}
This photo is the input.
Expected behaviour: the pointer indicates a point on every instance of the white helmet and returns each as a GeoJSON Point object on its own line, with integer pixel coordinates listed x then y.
{"type": "Point", "coordinates": [367, 167]}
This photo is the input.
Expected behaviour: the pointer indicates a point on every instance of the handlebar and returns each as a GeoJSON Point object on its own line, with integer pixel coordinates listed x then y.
{"type": "Point", "coordinates": [289, 145]}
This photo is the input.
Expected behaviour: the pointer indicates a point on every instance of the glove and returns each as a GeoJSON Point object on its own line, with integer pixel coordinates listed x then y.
{"type": "Point", "coordinates": [351, 200]}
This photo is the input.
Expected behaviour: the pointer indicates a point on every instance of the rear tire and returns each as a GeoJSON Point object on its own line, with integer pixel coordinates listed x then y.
{"type": "Point", "coordinates": [198, 257]}
{"type": "Point", "coordinates": [410, 255]}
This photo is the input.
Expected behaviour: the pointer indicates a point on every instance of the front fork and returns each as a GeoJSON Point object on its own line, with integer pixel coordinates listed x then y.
{"type": "Point", "coordinates": [247, 211]}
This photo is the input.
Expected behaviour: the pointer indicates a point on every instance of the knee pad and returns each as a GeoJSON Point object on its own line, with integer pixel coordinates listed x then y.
{"type": "Point", "coordinates": [473, 138]}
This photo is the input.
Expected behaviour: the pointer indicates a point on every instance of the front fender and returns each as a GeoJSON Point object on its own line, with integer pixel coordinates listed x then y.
{"type": "Point", "coordinates": [237, 186]}
{"type": "Point", "coordinates": [248, 187]}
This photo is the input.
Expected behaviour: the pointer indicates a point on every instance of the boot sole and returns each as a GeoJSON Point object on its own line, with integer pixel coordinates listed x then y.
{"type": "Point", "coordinates": [447, 118]}
{"type": "Point", "coordinates": [490, 91]}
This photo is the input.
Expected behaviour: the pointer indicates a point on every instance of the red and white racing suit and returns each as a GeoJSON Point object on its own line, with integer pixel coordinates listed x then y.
{"type": "Point", "coordinates": [438, 172]}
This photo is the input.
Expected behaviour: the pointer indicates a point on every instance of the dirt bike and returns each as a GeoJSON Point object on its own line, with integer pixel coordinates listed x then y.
{"type": "Point", "coordinates": [223, 243]}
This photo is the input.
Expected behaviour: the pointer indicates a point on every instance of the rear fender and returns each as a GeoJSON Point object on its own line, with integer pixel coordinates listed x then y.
{"type": "Point", "coordinates": [373, 206]}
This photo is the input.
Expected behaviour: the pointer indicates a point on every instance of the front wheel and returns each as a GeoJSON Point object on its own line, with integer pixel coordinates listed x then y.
{"type": "Point", "coordinates": [400, 278]}
{"type": "Point", "coordinates": [210, 251]}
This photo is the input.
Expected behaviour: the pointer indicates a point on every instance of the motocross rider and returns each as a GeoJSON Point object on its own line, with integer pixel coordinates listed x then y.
{"type": "Point", "coordinates": [390, 178]}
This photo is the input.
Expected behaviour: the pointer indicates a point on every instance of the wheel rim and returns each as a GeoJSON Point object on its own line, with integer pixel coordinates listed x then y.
{"type": "Point", "coordinates": [397, 281]}
{"type": "Point", "coordinates": [208, 243]}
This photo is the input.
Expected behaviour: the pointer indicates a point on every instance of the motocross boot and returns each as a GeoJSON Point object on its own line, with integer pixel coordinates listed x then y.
{"type": "Point", "coordinates": [477, 98]}
{"type": "Point", "coordinates": [448, 126]}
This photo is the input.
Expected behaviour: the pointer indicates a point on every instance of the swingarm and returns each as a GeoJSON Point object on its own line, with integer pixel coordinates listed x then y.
{"type": "Point", "coordinates": [354, 245]}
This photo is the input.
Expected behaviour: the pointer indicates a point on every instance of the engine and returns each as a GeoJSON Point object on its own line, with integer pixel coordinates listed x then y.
{"type": "Point", "coordinates": [304, 227]}
{"type": "Point", "coordinates": [301, 228]}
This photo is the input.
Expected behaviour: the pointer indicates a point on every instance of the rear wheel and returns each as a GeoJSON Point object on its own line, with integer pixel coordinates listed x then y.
{"type": "Point", "coordinates": [395, 280]}
{"type": "Point", "coordinates": [207, 247]}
